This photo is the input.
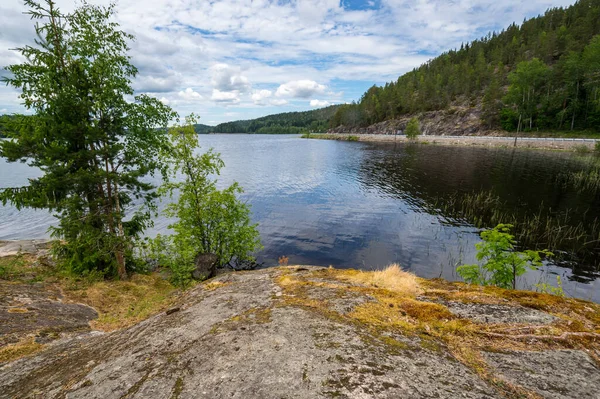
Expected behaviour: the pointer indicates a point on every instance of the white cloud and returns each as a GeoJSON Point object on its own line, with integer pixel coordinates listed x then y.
{"type": "Point", "coordinates": [189, 95]}
{"type": "Point", "coordinates": [156, 84]}
{"type": "Point", "coordinates": [319, 103]}
{"type": "Point", "coordinates": [231, 97]}
{"type": "Point", "coordinates": [227, 78]}
{"type": "Point", "coordinates": [300, 89]}
{"type": "Point", "coordinates": [278, 102]}
{"type": "Point", "coordinates": [259, 96]}
{"type": "Point", "coordinates": [296, 50]}
{"type": "Point", "coordinates": [164, 100]}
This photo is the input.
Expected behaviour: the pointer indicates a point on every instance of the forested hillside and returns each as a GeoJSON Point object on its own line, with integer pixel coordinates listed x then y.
{"type": "Point", "coordinates": [542, 75]}
{"type": "Point", "coordinates": [290, 122]}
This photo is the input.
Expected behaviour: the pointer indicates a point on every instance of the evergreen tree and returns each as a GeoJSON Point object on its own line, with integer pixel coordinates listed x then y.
{"type": "Point", "coordinates": [492, 104]}
{"type": "Point", "coordinates": [93, 147]}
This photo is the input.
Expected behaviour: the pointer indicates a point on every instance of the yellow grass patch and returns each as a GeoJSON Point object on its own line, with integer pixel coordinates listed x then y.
{"type": "Point", "coordinates": [25, 347]}
{"type": "Point", "coordinates": [17, 310]}
{"type": "Point", "coordinates": [121, 304]}
{"type": "Point", "coordinates": [392, 278]}
{"type": "Point", "coordinates": [214, 285]}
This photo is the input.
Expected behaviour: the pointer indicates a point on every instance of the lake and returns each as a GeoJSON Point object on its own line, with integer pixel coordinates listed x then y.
{"type": "Point", "coordinates": [366, 205]}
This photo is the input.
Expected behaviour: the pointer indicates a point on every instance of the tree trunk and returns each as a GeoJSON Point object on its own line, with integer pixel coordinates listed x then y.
{"type": "Point", "coordinates": [575, 109]}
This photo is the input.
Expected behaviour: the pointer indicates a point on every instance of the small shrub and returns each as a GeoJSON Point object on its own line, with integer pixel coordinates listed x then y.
{"type": "Point", "coordinates": [549, 289]}
{"type": "Point", "coordinates": [501, 264]}
{"type": "Point", "coordinates": [581, 149]}
{"type": "Point", "coordinates": [352, 138]}
{"type": "Point", "coordinates": [283, 260]}
{"type": "Point", "coordinates": [412, 129]}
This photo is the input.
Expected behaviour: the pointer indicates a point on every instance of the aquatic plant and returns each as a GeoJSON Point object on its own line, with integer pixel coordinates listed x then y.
{"type": "Point", "coordinates": [501, 264]}
{"type": "Point", "coordinates": [545, 228]}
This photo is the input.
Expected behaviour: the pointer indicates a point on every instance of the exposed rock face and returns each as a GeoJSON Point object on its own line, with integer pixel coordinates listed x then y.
{"type": "Point", "coordinates": [552, 374]}
{"type": "Point", "coordinates": [454, 121]}
{"type": "Point", "coordinates": [206, 266]}
{"type": "Point", "coordinates": [30, 247]}
{"type": "Point", "coordinates": [26, 308]}
{"type": "Point", "coordinates": [491, 313]}
{"type": "Point", "coordinates": [278, 333]}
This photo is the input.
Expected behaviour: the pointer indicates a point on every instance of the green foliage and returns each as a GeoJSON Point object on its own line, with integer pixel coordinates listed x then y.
{"type": "Point", "coordinates": [552, 62]}
{"type": "Point", "coordinates": [285, 123]}
{"type": "Point", "coordinates": [491, 105]}
{"type": "Point", "coordinates": [509, 119]}
{"type": "Point", "coordinates": [93, 146]}
{"type": "Point", "coordinates": [525, 90]}
{"type": "Point", "coordinates": [549, 289]}
{"type": "Point", "coordinates": [352, 138]}
{"type": "Point", "coordinates": [412, 129]}
{"type": "Point", "coordinates": [9, 266]}
{"type": "Point", "coordinates": [208, 220]}
{"type": "Point", "coordinates": [500, 264]}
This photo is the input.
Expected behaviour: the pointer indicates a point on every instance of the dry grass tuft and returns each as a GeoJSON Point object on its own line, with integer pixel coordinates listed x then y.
{"type": "Point", "coordinates": [392, 278]}
{"type": "Point", "coordinates": [25, 347]}
{"type": "Point", "coordinates": [121, 304]}
{"type": "Point", "coordinates": [213, 285]}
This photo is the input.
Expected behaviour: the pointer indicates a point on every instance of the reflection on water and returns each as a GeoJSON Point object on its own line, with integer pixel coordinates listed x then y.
{"type": "Point", "coordinates": [365, 205]}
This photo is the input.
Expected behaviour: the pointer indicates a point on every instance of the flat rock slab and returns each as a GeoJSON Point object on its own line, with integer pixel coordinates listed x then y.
{"type": "Point", "coordinates": [30, 247]}
{"type": "Point", "coordinates": [35, 308]}
{"type": "Point", "coordinates": [490, 313]}
{"type": "Point", "coordinates": [558, 374]}
{"type": "Point", "coordinates": [249, 335]}
{"type": "Point", "coordinates": [239, 341]}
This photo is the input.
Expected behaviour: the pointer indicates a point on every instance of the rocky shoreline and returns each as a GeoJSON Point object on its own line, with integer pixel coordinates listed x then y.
{"type": "Point", "coordinates": [305, 331]}
{"type": "Point", "coordinates": [585, 145]}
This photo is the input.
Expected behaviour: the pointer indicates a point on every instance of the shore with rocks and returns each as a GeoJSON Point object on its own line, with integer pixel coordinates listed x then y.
{"type": "Point", "coordinates": [305, 331]}
{"type": "Point", "coordinates": [583, 145]}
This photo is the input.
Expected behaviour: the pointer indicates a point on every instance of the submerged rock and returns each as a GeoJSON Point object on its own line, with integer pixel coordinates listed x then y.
{"type": "Point", "coordinates": [303, 332]}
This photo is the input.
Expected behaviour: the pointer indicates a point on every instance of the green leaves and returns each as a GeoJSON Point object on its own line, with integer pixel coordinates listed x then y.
{"type": "Point", "coordinates": [93, 147]}
{"type": "Point", "coordinates": [207, 220]}
{"type": "Point", "coordinates": [500, 264]}
{"type": "Point", "coordinates": [412, 129]}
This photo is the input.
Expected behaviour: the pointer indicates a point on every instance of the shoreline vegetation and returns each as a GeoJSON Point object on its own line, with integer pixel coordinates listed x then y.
{"type": "Point", "coordinates": [547, 143]}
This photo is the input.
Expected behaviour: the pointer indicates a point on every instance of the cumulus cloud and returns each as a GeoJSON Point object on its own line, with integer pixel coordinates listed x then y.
{"type": "Point", "coordinates": [228, 78]}
{"type": "Point", "coordinates": [319, 103]}
{"type": "Point", "coordinates": [156, 84]}
{"type": "Point", "coordinates": [230, 97]}
{"type": "Point", "coordinates": [278, 102]}
{"type": "Point", "coordinates": [259, 96]}
{"type": "Point", "coordinates": [300, 89]}
{"type": "Point", "coordinates": [222, 49]}
{"type": "Point", "coordinates": [189, 95]}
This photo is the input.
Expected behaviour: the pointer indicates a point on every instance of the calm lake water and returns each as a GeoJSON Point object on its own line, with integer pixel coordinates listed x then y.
{"type": "Point", "coordinates": [365, 205]}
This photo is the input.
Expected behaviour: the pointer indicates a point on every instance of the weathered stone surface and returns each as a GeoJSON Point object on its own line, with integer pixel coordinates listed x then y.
{"type": "Point", "coordinates": [206, 266]}
{"type": "Point", "coordinates": [266, 334]}
{"type": "Point", "coordinates": [35, 308]}
{"type": "Point", "coordinates": [558, 374]}
{"type": "Point", "coordinates": [31, 247]}
{"type": "Point", "coordinates": [454, 121]}
{"type": "Point", "coordinates": [489, 313]}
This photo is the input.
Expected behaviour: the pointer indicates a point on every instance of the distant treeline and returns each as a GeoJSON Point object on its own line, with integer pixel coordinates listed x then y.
{"type": "Point", "coordinates": [544, 74]}
{"type": "Point", "coordinates": [289, 122]}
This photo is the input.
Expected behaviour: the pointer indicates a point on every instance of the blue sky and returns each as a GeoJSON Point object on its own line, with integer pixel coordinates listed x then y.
{"type": "Point", "coordinates": [241, 59]}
